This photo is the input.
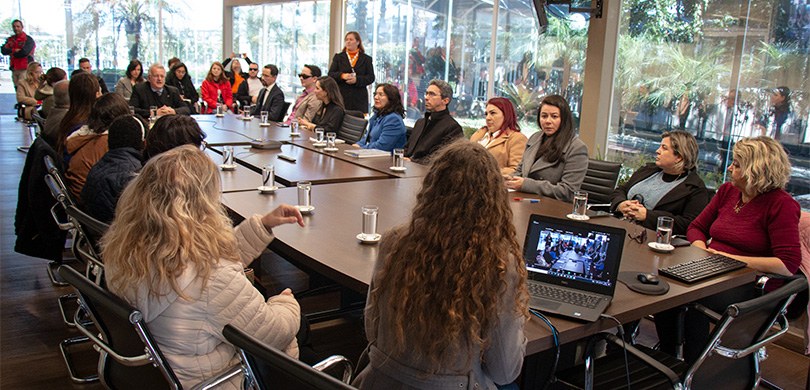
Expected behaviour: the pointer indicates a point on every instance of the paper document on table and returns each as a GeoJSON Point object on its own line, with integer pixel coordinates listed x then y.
{"type": "Point", "coordinates": [366, 153]}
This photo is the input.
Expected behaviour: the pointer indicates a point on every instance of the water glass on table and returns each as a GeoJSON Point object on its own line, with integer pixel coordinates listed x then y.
{"type": "Point", "coordinates": [330, 141]}
{"type": "Point", "coordinates": [580, 206]}
{"type": "Point", "coordinates": [227, 159]}
{"type": "Point", "coordinates": [268, 179]}
{"type": "Point", "coordinates": [369, 232]}
{"type": "Point", "coordinates": [304, 196]}
{"type": "Point", "coordinates": [265, 115]}
{"type": "Point", "coordinates": [663, 233]}
{"type": "Point", "coordinates": [319, 134]}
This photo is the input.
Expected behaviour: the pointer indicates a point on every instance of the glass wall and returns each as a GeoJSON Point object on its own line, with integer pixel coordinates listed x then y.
{"type": "Point", "coordinates": [300, 35]}
{"type": "Point", "coordinates": [110, 33]}
{"type": "Point", "coordinates": [713, 68]}
{"type": "Point", "coordinates": [414, 41]}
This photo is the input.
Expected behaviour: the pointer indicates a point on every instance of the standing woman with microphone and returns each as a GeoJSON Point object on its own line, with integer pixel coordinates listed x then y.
{"type": "Point", "coordinates": [353, 70]}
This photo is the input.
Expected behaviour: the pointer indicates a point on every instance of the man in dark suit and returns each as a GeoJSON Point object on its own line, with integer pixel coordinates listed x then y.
{"type": "Point", "coordinates": [271, 98]}
{"type": "Point", "coordinates": [437, 128]}
{"type": "Point", "coordinates": [156, 93]}
{"type": "Point", "coordinates": [85, 65]}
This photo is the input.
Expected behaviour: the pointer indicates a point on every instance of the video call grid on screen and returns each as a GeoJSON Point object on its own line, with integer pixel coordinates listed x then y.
{"type": "Point", "coordinates": [570, 254]}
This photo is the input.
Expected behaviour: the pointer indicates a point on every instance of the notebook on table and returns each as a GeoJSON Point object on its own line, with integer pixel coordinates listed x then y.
{"type": "Point", "coordinates": [572, 265]}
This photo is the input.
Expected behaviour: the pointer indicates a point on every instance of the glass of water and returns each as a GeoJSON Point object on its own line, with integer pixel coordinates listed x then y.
{"type": "Point", "coordinates": [227, 158]}
{"type": "Point", "coordinates": [220, 110]}
{"type": "Point", "coordinates": [294, 126]}
{"type": "Point", "coordinates": [152, 113]}
{"type": "Point", "coordinates": [268, 178]}
{"type": "Point", "coordinates": [663, 234]}
{"type": "Point", "coordinates": [304, 194]}
{"type": "Point", "coordinates": [246, 113]}
{"type": "Point", "coordinates": [330, 140]}
{"type": "Point", "coordinates": [319, 134]}
{"type": "Point", "coordinates": [265, 115]}
{"type": "Point", "coordinates": [580, 203]}
{"type": "Point", "coordinates": [369, 222]}
{"type": "Point", "coordinates": [399, 158]}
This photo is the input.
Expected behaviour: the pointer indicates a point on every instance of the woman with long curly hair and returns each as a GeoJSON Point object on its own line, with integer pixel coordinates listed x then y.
{"type": "Point", "coordinates": [448, 301]}
{"type": "Point", "coordinates": [172, 253]}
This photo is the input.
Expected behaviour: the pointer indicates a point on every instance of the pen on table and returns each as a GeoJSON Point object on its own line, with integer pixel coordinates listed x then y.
{"type": "Point", "coordinates": [526, 200]}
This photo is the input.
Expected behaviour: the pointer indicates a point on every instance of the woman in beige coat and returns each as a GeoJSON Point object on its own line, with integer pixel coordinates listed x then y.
{"type": "Point", "coordinates": [28, 87]}
{"type": "Point", "coordinates": [171, 252]}
{"type": "Point", "coordinates": [501, 136]}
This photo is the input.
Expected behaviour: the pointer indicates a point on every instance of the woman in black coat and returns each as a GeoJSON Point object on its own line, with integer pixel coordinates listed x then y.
{"type": "Point", "coordinates": [670, 187]}
{"type": "Point", "coordinates": [179, 78]}
{"type": "Point", "coordinates": [353, 70]}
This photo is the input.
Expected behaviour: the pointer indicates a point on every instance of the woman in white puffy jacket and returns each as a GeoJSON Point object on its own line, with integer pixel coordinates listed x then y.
{"type": "Point", "coordinates": [171, 252]}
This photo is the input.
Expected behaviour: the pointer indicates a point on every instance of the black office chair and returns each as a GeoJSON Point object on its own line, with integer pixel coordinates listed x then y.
{"type": "Point", "coordinates": [600, 180]}
{"type": "Point", "coordinates": [730, 360]}
{"type": "Point", "coordinates": [284, 368]}
{"type": "Point", "coordinates": [130, 358]}
{"type": "Point", "coordinates": [86, 241]}
{"type": "Point", "coordinates": [284, 111]}
{"type": "Point", "coordinates": [353, 127]}
{"type": "Point", "coordinates": [40, 121]}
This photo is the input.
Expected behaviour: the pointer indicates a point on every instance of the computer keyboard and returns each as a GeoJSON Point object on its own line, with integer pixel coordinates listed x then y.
{"type": "Point", "coordinates": [563, 295]}
{"type": "Point", "coordinates": [699, 269]}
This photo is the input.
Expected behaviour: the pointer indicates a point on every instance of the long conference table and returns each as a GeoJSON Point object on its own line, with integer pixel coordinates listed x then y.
{"type": "Point", "coordinates": [328, 243]}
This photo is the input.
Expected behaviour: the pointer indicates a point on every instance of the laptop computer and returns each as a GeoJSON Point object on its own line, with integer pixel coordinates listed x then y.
{"type": "Point", "coordinates": [572, 266]}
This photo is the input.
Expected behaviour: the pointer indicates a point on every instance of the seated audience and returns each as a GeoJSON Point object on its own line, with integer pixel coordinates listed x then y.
{"type": "Point", "coordinates": [467, 332]}
{"type": "Point", "coordinates": [271, 97]}
{"type": "Point", "coordinates": [386, 130]}
{"type": "Point", "coordinates": [133, 76]}
{"type": "Point", "coordinates": [234, 73]}
{"type": "Point", "coordinates": [668, 187]}
{"type": "Point", "coordinates": [179, 78]}
{"type": "Point", "coordinates": [88, 144]}
{"type": "Point", "coordinates": [189, 283]}
{"type": "Point", "coordinates": [83, 90]}
{"type": "Point", "coordinates": [248, 91]}
{"type": "Point", "coordinates": [45, 92]}
{"type": "Point", "coordinates": [307, 104]}
{"type": "Point", "coordinates": [437, 128]}
{"type": "Point", "coordinates": [85, 66]}
{"type": "Point", "coordinates": [156, 93]}
{"type": "Point", "coordinates": [216, 89]}
{"type": "Point", "coordinates": [27, 87]}
{"type": "Point", "coordinates": [170, 132]}
{"type": "Point", "coordinates": [501, 136]}
{"type": "Point", "coordinates": [330, 116]}
{"type": "Point", "coordinates": [61, 104]}
{"type": "Point", "coordinates": [751, 219]}
{"type": "Point", "coordinates": [555, 159]}
{"type": "Point", "coordinates": [112, 173]}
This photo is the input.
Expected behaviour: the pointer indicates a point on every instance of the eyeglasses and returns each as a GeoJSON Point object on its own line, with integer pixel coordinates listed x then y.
{"type": "Point", "coordinates": [639, 236]}
{"type": "Point", "coordinates": [304, 76]}
{"type": "Point", "coordinates": [253, 69]}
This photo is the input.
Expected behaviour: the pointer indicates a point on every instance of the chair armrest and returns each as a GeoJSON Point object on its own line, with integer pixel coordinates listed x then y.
{"type": "Point", "coordinates": [674, 379]}
{"type": "Point", "coordinates": [764, 278]}
{"type": "Point", "coordinates": [713, 316]}
{"type": "Point", "coordinates": [334, 360]}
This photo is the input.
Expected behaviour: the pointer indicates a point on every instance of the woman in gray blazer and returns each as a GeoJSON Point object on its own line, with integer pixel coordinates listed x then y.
{"type": "Point", "coordinates": [555, 159]}
{"type": "Point", "coordinates": [447, 302]}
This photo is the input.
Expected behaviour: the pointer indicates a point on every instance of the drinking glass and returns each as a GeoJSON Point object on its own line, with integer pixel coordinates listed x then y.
{"type": "Point", "coordinates": [580, 203]}
{"type": "Point", "coordinates": [663, 234]}
{"type": "Point", "coordinates": [265, 114]}
{"type": "Point", "coordinates": [319, 134]}
{"type": "Point", "coordinates": [246, 113]}
{"type": "Point", "coordinates": [369, 221]}
{"type": "Point", "coordinates": [399, 158]}
{"type": "Point", "coordinates": [227, 157]}
{"type": "Point", "coordinates": [330, 140]}
{"type": "Point", "coordinates": [268, 177]}
{"type": "Point", "coordinates": [304, 193]}
{"type": "Point", "coordinates": [294, 126]}
{"type": "Point", "coordinates": [152, 113]}
{"type": "Point", "coordinates": [220, 110]}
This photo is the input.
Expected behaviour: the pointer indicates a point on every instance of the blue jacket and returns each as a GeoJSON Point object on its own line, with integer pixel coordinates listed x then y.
{"type": "Point", "coordinates": [106, 182]}
{"type": "Point", "coordinates": [384, 133]}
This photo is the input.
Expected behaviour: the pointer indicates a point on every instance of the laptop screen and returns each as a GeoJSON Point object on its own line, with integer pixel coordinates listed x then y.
{"type": "Point", "coordinates": [573, 253]}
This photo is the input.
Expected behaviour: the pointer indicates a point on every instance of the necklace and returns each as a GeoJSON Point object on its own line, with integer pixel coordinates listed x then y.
{"type": "Point", "coordinates": [740, 204]}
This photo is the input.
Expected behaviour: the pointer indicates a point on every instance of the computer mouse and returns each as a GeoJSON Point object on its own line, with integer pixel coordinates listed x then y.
{"type": "Point", "coordinates": [648, 278]}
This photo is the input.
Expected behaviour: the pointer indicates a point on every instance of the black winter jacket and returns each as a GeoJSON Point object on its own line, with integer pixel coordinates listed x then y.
{"type": "Point", "coordinates": [107, 180]}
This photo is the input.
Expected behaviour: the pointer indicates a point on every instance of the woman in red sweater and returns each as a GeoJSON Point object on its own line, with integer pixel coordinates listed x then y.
{"type": "Point", "coordinates": [214, 86]}
{"type": "Point", "coordinates": [751, 219]}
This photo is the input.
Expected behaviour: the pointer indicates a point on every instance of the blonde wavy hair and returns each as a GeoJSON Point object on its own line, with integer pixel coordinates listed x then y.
{"type": "Point", "coordinates": [167, 219]}
{"type": "Point", "coordinates": [446, 271]}
{"type": "Point", "coordinates": [764, 164]}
